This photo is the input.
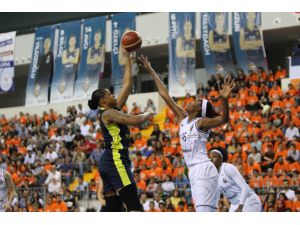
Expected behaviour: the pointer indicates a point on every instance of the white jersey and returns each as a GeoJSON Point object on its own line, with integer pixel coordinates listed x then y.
{"type": "Point", "coordinates": [193, 142]}
{"type": "Point", "coordinates": [3, 190]}
{"type": "Point", "coordinates": [236, 190]}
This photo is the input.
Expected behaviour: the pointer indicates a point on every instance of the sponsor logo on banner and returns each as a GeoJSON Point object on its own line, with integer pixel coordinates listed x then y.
{"type": "Point", "coordinates": [7, 48]}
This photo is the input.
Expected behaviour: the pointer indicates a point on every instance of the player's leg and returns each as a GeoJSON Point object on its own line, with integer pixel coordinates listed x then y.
{"type": "Point", "coordinates": [204, 187]}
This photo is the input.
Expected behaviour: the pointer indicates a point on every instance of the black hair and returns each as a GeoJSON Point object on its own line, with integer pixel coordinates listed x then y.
{"type": "Point", "coordinates": [96, 96]}
{"type": "Point", "coordinates": [210, 112]}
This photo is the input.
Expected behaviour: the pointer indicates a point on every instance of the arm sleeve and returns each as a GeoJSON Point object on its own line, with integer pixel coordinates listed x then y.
{"type": "Point", "coordinates": [235, 175]}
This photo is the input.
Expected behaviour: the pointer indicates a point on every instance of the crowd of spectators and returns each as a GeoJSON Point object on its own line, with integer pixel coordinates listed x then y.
{"type": "Point", "coordinates": [46, 154]}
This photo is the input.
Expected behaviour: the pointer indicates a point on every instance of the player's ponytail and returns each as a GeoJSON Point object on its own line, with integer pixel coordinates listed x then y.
{"type": "Point", "coordinates": [96, 96]}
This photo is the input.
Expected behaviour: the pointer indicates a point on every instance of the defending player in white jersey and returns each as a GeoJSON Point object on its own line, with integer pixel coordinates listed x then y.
{"type": "Point", "coordinates": [233, 185]}
{"type": "Point", "coordinates": [195, 124]}
{"type": "Point", "coordinates": [7, 191]}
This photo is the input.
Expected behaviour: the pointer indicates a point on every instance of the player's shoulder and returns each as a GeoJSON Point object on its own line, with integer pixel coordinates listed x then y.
{"type": "Point", "coordinates": [228, 167]}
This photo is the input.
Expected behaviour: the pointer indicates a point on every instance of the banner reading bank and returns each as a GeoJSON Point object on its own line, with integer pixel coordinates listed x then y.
{"type": "Point", "coordinates": [182, 52]}
{"type": "Point", "coordinates": [66, 62]}
{"type": "Point", "coordinates": [41, 68]}
{"type": "Point", "coordinates": [92, 57]}
{"type": "Point", "coordinates": [7, 55]}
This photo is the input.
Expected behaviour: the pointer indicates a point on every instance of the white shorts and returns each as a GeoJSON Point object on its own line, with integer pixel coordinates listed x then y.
{"type": "Point", "coordinates": [252, 204]}
{"type": "Point", "coordinates": [204, 184]}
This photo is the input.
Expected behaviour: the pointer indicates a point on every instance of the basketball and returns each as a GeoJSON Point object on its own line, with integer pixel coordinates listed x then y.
{"type": "Point", "coordinates": [131, 41]}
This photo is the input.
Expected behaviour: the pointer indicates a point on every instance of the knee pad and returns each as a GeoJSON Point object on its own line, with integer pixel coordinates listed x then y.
{"type": "Point", "coordinates": [131, 199]}
{"type": "Point", "coordinates": [113, 204]}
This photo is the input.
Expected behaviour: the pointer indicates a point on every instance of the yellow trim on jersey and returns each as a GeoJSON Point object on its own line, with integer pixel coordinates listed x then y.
{"type": "Point", "coordinates": [116, 146]}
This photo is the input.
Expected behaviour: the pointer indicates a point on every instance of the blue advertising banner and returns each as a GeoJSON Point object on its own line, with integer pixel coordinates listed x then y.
{"type": "Point", "coordinates": [41, 68]}
{"type": "Point", "coordinates": [7, 57]}
{"type": "Point", "coordinates": [182, 52]}
{"type": "Point", "coordinates": [248, 41]}
{"type": "Point", "coordinates": [215, 45]}
{"type": "Point", "coordinates": [120, 23]}
{"type": "Point", "coordinates": [66, 61]}
{"type": "Point", "coordinates": [92, 57]}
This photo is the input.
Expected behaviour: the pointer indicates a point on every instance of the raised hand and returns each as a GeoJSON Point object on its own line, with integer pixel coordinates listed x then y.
{"type": "Point", "coordinates": [228, 86]}
{"type": "Point", "coordinates": [145, 63]}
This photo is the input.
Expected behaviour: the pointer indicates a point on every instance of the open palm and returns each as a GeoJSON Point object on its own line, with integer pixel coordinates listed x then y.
{"type": "Point", "coordinates": [228, 86]}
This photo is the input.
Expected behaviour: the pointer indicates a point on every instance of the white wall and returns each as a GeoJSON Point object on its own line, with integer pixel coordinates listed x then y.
{"type": "Point", "coordinates": [153, 28]}
{"type": "Point", "coordinates": [140, 99]}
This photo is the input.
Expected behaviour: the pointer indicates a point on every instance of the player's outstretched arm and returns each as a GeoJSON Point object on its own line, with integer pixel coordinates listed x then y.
{"type": "Point", "coordinates": [127, 82]}
{"type": "Point", "coordinates": [210, 123]}
{"type": "Point", "coordinates": [163, 92]}
{"type": "Point", "coordinates": [112, 115]}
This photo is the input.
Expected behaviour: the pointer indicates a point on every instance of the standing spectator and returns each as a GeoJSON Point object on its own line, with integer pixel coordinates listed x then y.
{"type": "Point", "coordinates": [59, 205]}
{"type": "Point", "coordinates": [78, 159]}
{"type": "Point", "coordinates": [150, 106]}
{"type": "Point", "coordinates": [54, 181]}
{"type": "Point", "coordinates": [292, 131]}
{"type": "Point", "coordinates": [84, 128]}
{"type": "Point", "coordinates": [96, 154]}
{"type": "Point", "coordinates": [66, 170]}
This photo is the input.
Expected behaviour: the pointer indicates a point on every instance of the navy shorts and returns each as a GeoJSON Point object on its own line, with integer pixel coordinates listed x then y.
{"type": "Point", "coordinates": [115, 170]}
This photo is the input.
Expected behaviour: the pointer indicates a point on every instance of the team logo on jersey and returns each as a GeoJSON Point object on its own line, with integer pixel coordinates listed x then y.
{"type": "Point", "coordinates": [225, 180]}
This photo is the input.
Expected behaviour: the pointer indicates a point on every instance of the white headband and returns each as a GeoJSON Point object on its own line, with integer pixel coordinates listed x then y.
{"type": "Point", "coordinates": [218, 152]}
{"type": "Point", "coordinates": [204, 107]}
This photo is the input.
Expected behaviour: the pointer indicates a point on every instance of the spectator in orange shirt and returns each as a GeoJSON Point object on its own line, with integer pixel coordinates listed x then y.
{"type": "Point", "coordinates": [292, 91]}
{"type": "Point", "coordinates": [218, 142]}
{"type": "Point", "coordinates": [275, 92]}
{"type": "Point", "coordinates": [288, 102]}
{"type": "Point", "coordinates": [139, 161]}
{"type": "Point", "coordinates": [280, 151]}
{"type": "Point", "coordinates": [60, 205]}
{"type": "Point", "coordinates": [252, 76]}
{"type": "Point", "coordinates": [141, 184]}
{"type": "Point", "coordinates": [187, 100]}
{"type": "Point", "coordinates": [140, 144]}
{"type": "Point", "coordinates": [255, 180]}
{"type": "Point", "coordinates": [280, 165]}
{"type": "Point", "coordinates": [135, 109]}
{"type": "Point", "coordinates": [251, 167]}
{"type": "Point", "coordinates": [252, 101]}
{"type": "Point", "coordinates": [152, 186]}
{"type": "Point", "coordinates": [152, 207]}
{"type": "Point", "coordinates": [294, 166]}
{"type": "Point", "coordinates": [239, 153]}
{"type": "Point", "coordinates": [181, 207]}
{"type": "Point", "coordinates": [268, 158]}
{"type": "Point", "coordinates": [240, 102]}
{"type": "Point", "coordinates": [213, 94]}
{"type": "Point", "coordinates": [229, 135]}
{"type": "Point", "coordinates": [270, 180]}
{"type": "Point", "coordinates": [49, 205]}
{"type": "Point", "coordinates": [280, 73]}
{"type": "Point", "coordinates": [276, 132]}
{"type": "Point", "coordinates": [125, 109]}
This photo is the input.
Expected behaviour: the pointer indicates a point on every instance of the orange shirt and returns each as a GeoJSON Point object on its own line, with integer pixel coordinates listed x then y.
{"type": "Point", "coordinates": [228, 137]}
{"type": "Point", "coordinates": [214, 94]}
{"type": "Point", "coordinates": [255, 182]}
{"type": "Point", "coordinates": [251, 100]}
{"type": "Point", "coordinates": [288, 103]}
{"type": "Point", "coordinates": [295, 166]}
{"type": "Point", "coordinates": [282, 153]}
{"type": "Point", "coordinates": [275, 93]}
{"type": "Point", "coordinates": [256, 119]}
{"type": "Point", "coordinates": [236, 155]}
{"type": "Point", "coordinates": [255, 89]}
{"type": "Point", "coordinates": [219, 144]}
{"type": "Point", "coordinates": [140, 143]}
{"type": "Point", "coordinates": [169, 150]}
{"type": "Point", "coordinates": [255, 166]}
{"type": "Point", "coordinates": [170, 114]}
{"type": "Point", "coordinates": [296, 206]}
{"type": "Point", "coordinates": [178, 171]}
{"type": "Point", "coordinates": [142, 185]}
{"type": "Point", "coordinates": [154, 210]}
{"type": "Point", "coordinates": [243, 94]}
{"type": "Point", "coordinates": [273, 181]}
{"type": "Point", "coordinates": [280, 74]}
{"type": "Point", "coordinates": [278, 168]}
{"type": "Point", "coordinates": [157, 172]}
{"type": "Point", "coordinates": [246, 147]}
{"type": "Point", "coordinates": [138, 163]}
{"type": "Point", "coordinates": [232, 101]}
{"type": "Point", "coordinates": [60, 207]}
